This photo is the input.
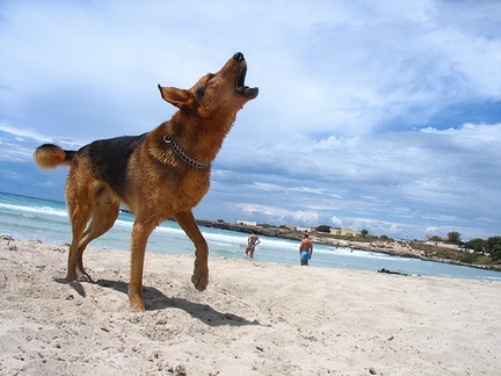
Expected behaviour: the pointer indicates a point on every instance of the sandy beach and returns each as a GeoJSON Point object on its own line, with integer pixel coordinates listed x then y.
{"type": "Point", "coordinates": [254, 319]}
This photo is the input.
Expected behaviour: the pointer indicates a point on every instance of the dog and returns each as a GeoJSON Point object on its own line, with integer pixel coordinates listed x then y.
{"type": "Point", "coordinates": [158, 175]}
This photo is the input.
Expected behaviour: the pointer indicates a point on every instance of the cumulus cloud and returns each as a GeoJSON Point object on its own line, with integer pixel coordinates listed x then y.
{"type": "Point", "coordinates": [382, 115]}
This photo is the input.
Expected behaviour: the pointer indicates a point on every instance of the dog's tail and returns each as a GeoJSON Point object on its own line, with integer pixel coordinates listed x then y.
{"type": "Point", "coordinates": [52, 156]}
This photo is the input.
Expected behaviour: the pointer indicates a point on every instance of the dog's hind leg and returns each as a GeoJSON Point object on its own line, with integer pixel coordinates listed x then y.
{"type": "Point", "coordinates": [104, 216]}
{"type": "Point", "coordinates": [200, 278]}
{"type": "Point", "coordinates": [79, 214]}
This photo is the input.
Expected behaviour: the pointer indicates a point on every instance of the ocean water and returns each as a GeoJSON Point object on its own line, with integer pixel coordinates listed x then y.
{"type": "Point", "coordinates": [34, 218]}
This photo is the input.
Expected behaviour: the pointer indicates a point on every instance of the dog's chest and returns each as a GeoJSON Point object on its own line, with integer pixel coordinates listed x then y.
{"type": "Point", "coordinates": [192, 188]}
{"type": "Point", "coordinates": [169, 193]}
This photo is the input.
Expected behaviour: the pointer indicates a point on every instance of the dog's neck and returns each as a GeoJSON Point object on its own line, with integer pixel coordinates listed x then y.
{"type": "Point", "coordinates": [195, 146]}
{"type": "Point", "coordinates": [199, 142]}
{"type": "Point", "coordinates": [184, 156]}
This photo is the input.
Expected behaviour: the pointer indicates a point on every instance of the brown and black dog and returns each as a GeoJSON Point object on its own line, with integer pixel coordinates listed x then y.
{"type": "Point", "coordinates": [157, 175]}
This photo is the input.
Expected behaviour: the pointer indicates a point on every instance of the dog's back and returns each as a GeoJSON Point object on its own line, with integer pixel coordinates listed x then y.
{"type": "Point", "coordinates": [108, 158]}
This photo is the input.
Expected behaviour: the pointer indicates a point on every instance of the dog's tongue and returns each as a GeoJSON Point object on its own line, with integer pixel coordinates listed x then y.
{"type": "Point", "coordinates": [246, 91]}
{"type": "Point", "coordinates": [250, 92]}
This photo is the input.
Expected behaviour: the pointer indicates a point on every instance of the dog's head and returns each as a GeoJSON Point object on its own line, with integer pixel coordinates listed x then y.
{"type": "Point", "coordinates": [219, 94]}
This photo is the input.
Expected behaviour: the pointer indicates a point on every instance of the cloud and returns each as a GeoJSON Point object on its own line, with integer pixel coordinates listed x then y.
{"type": "Point", "coordinates": [275, 213]}
{"type": "Point", "coordinates": [379, 114]}
{"type": "Point", "coordinates": [20, 133]}
{"type": "Point", "coordinates": [404, 176]}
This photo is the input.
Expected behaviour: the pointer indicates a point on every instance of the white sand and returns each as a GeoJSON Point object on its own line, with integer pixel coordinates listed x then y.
{"type": "Point", "coordinates": [254, 319]}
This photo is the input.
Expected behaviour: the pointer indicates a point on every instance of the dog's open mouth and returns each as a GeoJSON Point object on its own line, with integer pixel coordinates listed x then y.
{"type": "Point", "coordinates": [248, 92]}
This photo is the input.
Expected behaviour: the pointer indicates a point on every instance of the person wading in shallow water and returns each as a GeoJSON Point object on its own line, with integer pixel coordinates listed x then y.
{"type": "Point", "coordinates": [251, 244]}
{"type": "Point", "coordinates": [305, 249]}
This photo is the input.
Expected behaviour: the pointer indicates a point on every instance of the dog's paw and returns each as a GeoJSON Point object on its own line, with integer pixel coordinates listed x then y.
{"type": "Point", "coordinates": [79, 276]}
{"type": "Point", "coordinates": [200, 278]}
{"type": "Point", "coordinates": [85, 277]}
{"type": "Point", "coordinates": [136, 303]}
{"type": "Point", "coordinates": [71, 277]}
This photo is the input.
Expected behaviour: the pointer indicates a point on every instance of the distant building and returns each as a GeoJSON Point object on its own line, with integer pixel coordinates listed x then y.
{"type": "Point", "coordinates": [435, 240]}
{"type": "Point", "coordinates": [303, 229]}
{"type": "Point", "coordinates": [344, 232]}
{"type": "Point", "coordinates": [247, 223]}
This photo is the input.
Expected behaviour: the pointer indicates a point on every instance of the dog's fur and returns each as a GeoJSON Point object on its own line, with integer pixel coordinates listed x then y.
{"type": "Point", "coordinates": [158, 175]}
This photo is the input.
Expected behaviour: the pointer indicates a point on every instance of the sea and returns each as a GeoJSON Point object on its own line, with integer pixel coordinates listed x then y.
{"type": "Point", "coordinates": [39, 219]}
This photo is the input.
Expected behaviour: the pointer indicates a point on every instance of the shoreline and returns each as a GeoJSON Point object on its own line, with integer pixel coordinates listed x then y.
{"type": "Point", "coordinates": [395, 250]}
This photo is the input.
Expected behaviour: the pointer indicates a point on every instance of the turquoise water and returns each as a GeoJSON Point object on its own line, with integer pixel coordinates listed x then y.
{"type": "Point", "coordinates": [33, 218]}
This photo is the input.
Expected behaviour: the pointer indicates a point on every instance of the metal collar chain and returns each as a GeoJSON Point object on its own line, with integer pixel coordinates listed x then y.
{"type": "Point", "coordinates": [190, 161]}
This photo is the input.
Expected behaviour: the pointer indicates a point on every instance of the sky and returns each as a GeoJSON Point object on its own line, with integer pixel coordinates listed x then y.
{"type": "Point", "coordinates": [376, 115]}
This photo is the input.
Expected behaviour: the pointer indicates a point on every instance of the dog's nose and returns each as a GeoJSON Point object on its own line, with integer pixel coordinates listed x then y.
{"type": "Point", "coordinates": [239, 56]}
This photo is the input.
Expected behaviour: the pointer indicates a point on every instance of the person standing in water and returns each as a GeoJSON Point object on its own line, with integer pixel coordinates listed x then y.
{"type": "Point", "coordinates": [252, 242]}
{"type": "Point", "coordinates": [305, 249]}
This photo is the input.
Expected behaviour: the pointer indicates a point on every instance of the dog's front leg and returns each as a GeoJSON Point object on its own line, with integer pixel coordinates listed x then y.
{"type": "Point", "coordinates": [140, 233]}
{"type": "Point", "coordinates": [200, 276]}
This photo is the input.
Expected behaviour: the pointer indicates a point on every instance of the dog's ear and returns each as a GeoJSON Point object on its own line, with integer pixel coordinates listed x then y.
{"type": "Point", "coordinates": [177, 97]}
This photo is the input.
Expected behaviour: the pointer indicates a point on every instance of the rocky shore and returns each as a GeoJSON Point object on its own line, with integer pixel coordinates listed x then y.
{"type": "Point", "coordinates": [410, 249]}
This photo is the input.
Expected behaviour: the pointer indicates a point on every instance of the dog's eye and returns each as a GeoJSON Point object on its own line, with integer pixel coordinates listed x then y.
{"type": "Point", "coordinates": [200, 92]}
